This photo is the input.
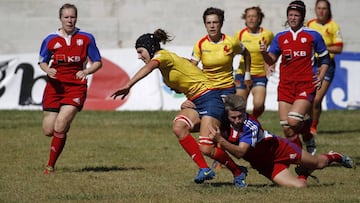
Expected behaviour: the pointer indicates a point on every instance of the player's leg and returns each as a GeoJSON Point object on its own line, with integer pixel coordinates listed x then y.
{"type": "Point", "coordinates": [183, 123]}
{"type": "Point", "coordinates": [209, 148]}
{"type": "Point", "coordinates": [320, 94]}
{"type": "Point", "coordinates": [259, 95]}
{"type": "Point", "coordinates": [241, 88]}
{"type": "Point", "coordinates": [290, 134]}
{"type": "Point", "coordinates": [287, 179]}
{"type": "Point", "coordinates": [323, 160]}
{"type": "Point", "coordinates": [48, 122]}
{"type": "Point", "coordinates": [61, 127]}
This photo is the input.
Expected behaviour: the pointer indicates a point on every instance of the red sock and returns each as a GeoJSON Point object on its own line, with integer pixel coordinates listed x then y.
{"type": "Point", "coordinates": [314, 123]}
{"type": "Point", "coordinates": [192, 148]}
{"type": "Point", "coordinates": [222, 157]}
{"type": "Point", "coordinates": [333, 157]}
{"type": "Point", "coordinates": [56, 147]}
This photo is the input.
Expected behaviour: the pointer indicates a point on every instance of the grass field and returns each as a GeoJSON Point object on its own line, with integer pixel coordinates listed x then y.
{"type": "Point", "coordinates": [134, 157]}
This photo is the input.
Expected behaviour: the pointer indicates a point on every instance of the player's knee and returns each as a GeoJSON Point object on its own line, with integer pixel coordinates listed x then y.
{"type": "Point", "coordinates": [317, 103]}
{"type": "Point", "coordinates": [206, 149]}
{"type": "Point", "coordinates": [295, 120]}
{"type": "Point", "coordinates": [48, 131]}
{"type": "Point", "coordinates": [288, 132]}
{"type": "Point", "coordinates": [182, 126]}
{"type": "Point", "coordinates": [299, 183]}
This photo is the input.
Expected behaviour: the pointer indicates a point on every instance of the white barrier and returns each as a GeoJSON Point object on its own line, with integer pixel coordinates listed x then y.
{"type": "Point", "coordinates": [22, 83]}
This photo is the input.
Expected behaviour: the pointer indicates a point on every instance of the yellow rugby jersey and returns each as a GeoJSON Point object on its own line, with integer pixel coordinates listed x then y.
{"type": "Point", "coordinates": [217, 59]}
{"type": "Point", "coordinates": [251, 42]}
{"type": "Point", "coordinates": [181, 75]}
{"type": "Point", "coordinates": [330, 32]}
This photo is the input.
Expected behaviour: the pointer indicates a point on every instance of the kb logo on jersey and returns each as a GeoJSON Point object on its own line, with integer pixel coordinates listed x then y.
{"type": "Point", "coordinates": [288, 54]}
{"type": "Point", "coordinates": [69, 59]}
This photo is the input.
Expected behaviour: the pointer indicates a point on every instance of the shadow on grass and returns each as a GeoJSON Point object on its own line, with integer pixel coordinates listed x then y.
{"type": "Point", "coordinates": [222, 184]}
{"type": "Point", "coordinates": [336, 132]}
{"type": "Point", "coordinates": [107, 169]}
{"type": "Point", "coordinates": [311, 183]}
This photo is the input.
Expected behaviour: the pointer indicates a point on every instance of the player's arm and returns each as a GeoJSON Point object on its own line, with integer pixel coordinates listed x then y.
{"type": "Point", "coordinates": [247, 60]}
{"type": "Point", "coordinates": [51, 72]}
{"type": "Point", "coordinates": [236, 150]}
{"type": "Point", "coordinates": [269, 57]}
{"type": "Point", "coordinates": [95, 66]}
{"type": "Point", "coordinates": [324, 61]}
{"type": "Point", "coordinates": [143, 72]}
{"type": "Point", "coordinates": [335, 49]}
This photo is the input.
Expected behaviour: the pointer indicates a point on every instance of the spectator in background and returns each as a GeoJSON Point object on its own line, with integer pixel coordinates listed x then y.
{"type": "Point", "coordinates": [267, 153]}
{"type": "Point", "coordinates": [63, 57]}
{"type": "Point", "coordinates": [250, 36]}
{"type": "Point", "coordinates": [297, 83]}
{"type": "Point", "coordinates": [330, 31]}
{"type": "Point", "coordinates": [183, 77]}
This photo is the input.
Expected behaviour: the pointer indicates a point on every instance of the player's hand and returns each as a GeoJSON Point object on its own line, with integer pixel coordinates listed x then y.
{"type": "Point", "coordinates": [123, 92]}
{"type": "Point", "coordinates": [81, 75]}
{"type": "Point", "coordinates": [188, 105]}
{"type": "Point", "coordinates": [270, 70]}
{"type": "Point", "coordinates": [214, 133]}
{"type": "Point", "coordinates": [262, 44]}
{"type": "Point", "coordinates": [317, 82]}
{"type": "Point", "coordinates": [248, 84]}
{"type": "Point", "coordinates": [51, 73]}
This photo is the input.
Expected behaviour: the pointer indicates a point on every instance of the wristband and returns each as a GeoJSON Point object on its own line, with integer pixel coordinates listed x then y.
{"type": "Point", "coordinates": [247, 76]}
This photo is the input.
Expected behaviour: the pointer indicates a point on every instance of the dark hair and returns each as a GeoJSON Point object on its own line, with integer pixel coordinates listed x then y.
{"type": "Point", "coordinates": [151, 42]}
{"type": "Point", "coordinates": [258, 11]}
{"type": "Point", "coordinates": [328, 5]}
{"type": "Point", "coordinates": [163, 36]}
{"type": "Point", "coordinates": [234, 102]}
{"type": "Point", "coordinates": [214, 11]}
{"type": "Point", "coordinates": [66, 6]}
{"type": "Point", "coordinates": [299, 6]}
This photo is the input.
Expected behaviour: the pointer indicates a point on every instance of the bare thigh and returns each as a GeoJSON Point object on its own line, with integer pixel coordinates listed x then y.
{"type": "Point", "coordinates": [285, 178]}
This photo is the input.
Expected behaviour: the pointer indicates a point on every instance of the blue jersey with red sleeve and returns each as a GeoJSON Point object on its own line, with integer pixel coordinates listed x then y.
{"type": "Point", "coordinates": [69, 54]}
{"type": "Point", "coordinates": [250, 133]}
{"type": "Point", "coordinates": [297, 51]}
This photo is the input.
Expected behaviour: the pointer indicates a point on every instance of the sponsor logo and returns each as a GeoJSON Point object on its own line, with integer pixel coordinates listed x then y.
{"type": "Point", "coordinates": [226, 49]}
{"type": "Point", "coordinates": [79, 42]}
{"type": "Point", "coordinates": [287, 54]}
{"type": "Point", "coordinates": [57, 45]}
{"type": "Point", "coordinates": [303, 94]}
{"type": "Point", "coordinates": [206, 173]}
{"type": "Point", "coordinates": [77, 100]}
{"type": "Point", "coordinates": [292, 156]}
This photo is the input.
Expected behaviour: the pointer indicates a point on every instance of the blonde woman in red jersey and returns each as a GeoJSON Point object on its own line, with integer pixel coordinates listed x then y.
{"type": "Point", "coordinates": [63, 57]}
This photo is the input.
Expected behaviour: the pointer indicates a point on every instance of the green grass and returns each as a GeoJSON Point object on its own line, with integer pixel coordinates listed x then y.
{"type": "Point", "coordinates": [134, 157]}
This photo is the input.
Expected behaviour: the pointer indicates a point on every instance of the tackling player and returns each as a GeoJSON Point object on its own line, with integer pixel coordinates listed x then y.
{"type": "Point", "coordinates": [183, 77]}
{"type": "Point", "coordinates": [267, 153]}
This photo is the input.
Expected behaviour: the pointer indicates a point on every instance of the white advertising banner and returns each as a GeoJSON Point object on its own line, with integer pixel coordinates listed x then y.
{"type": "Point", "coordinates": [22, 83]}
